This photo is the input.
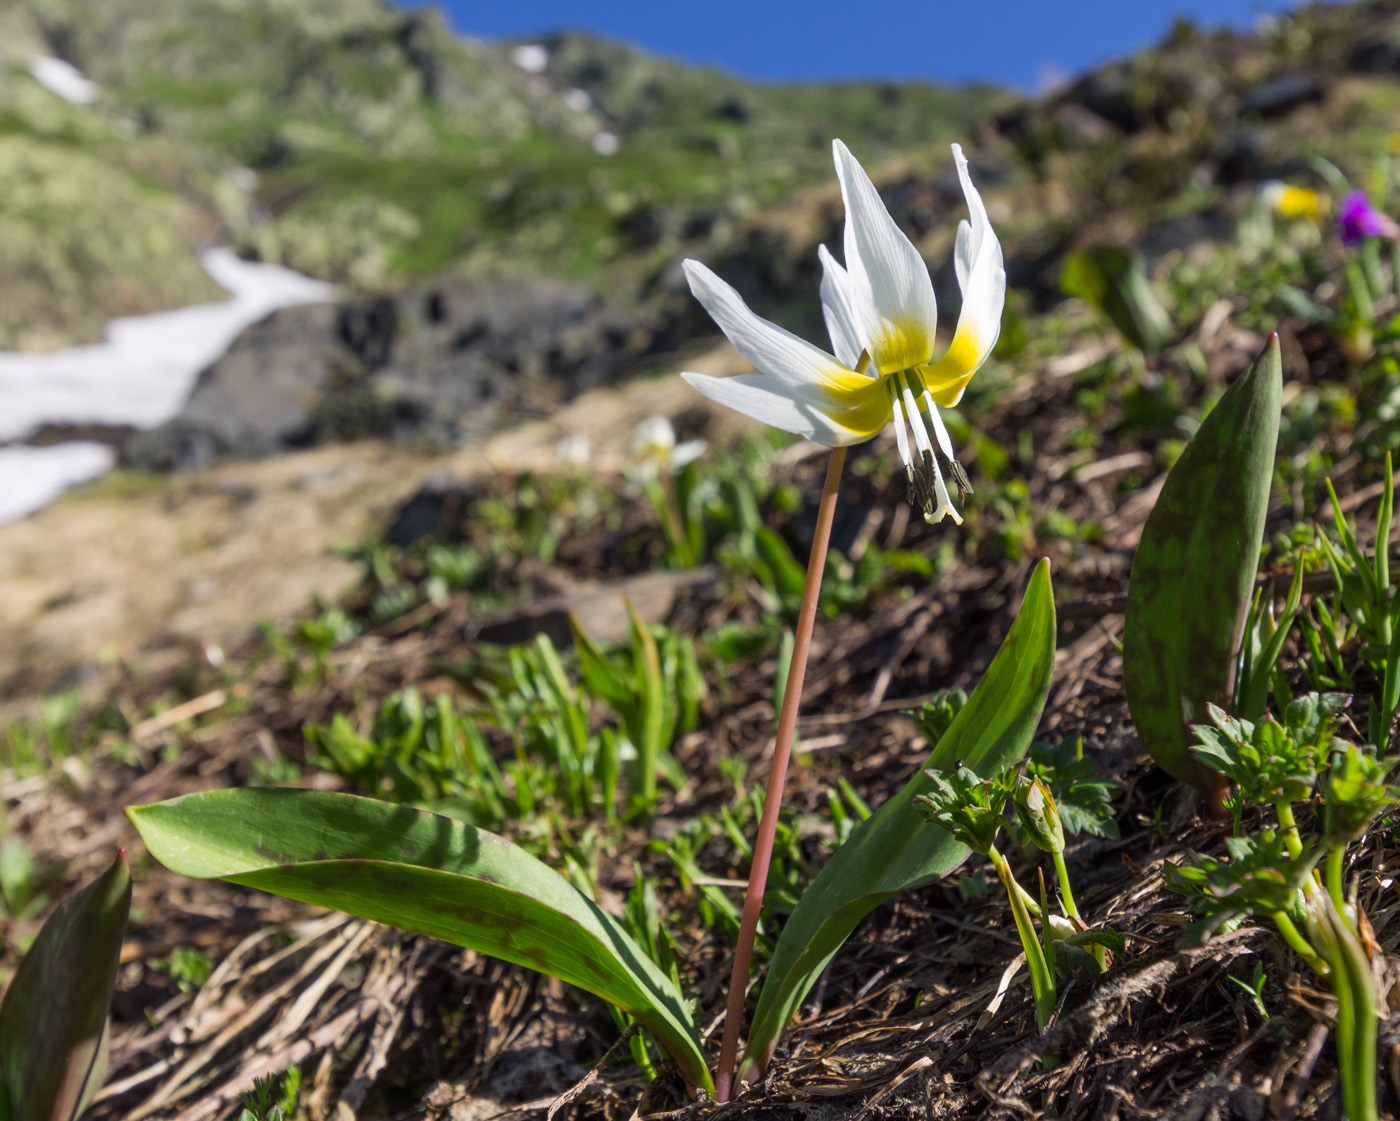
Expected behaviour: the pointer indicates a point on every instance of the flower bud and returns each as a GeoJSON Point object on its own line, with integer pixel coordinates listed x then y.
{"type": "Point", "coordinates": [1035, 808]}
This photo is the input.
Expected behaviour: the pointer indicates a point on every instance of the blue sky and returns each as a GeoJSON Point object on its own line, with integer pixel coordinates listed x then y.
{"type": "Point", "coordinates": [1012, 42]}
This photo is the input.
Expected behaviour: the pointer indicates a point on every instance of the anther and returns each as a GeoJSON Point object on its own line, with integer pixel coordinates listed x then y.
{"type": "Point", "coordinates": [960, 480]}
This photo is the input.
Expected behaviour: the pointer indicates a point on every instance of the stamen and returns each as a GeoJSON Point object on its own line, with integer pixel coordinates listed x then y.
{"type": "Point", "coordinates": [960, 479]}
{"type": "Point", "coordinates": [900, 436]}
{"type": "Point", "coordinates": [916, 420]}
{"type": "Point", "coordinates": [945, 444]}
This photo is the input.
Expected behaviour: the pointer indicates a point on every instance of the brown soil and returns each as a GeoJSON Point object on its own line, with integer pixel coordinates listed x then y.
{"type": "Point", "coordinates": [906, 1021]}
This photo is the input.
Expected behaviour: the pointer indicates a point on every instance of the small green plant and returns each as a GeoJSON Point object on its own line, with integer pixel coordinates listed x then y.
{"type": "Point", "coordinates": [1364, 593]}
{"type": "Point", "coordinates": [655, 687]}
{"type": "Point", "coordinates": [188, 966]}
{"type": "Point", "coordinates": [1254, 988]}
{"type": "Point", "coordinates": [974, 811]}
{"type": "Point", "coordinates": [51, 736]}
{"type": "Point", "coordinates": [1297, 880]}
{"type": "Point", "coordinates": [272, 1098]}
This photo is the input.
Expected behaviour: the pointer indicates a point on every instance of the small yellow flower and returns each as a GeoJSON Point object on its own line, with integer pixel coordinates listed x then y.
{"type": "Point", "coordinates": [1293, 202]}
{"type": "Point", "coordinates": [880, 312]}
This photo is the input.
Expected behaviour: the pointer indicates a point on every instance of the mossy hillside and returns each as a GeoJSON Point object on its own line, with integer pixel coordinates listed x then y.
{"type": "Point", "coordinates": [387, 148]}
{"type": "Point", "coordinates": [82, 242]}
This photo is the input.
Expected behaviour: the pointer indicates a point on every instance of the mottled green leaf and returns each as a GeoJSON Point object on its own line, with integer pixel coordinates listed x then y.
{"type": "Point", "coordinates": [896, 849]}
{"type": "Point", "coordinates": [1194, 572]}
{"type": "Point", "coordinates": [424, 873]}
{"type": "Point", "coordinates": [54, 1015]}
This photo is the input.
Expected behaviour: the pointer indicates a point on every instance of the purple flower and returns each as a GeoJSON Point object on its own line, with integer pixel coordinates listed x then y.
{"type": "Point", "coordinates": [1358, 219]}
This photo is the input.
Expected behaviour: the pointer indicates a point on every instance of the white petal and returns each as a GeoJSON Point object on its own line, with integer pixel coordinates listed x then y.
{"type": "Point", "coordinates": [791, 360]}
{"type": "Point", "coordinates": [945, 504]}
{"type": "Point", "coordinates": [962, 254]}
{"type": "Point", "coordinates": [984, 290]}
{"type": "Point", "coordinates": [687, 452]}
{"type": "Point", "coordinates": [653, 434]}
{"type": "Point", "coordinates": [894, 273]}
{"type": "Point", "coordinates": [766, 400]}
{"type": "Point", "coordinates": [838, 309]}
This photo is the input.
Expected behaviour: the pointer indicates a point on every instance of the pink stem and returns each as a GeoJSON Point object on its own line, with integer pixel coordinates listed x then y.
{"type": "Point", "coordinates": [777, 776]}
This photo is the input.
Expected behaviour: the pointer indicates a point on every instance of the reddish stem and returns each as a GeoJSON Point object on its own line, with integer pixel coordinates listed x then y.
{"type": "Point", "coordinates": [777, 776]}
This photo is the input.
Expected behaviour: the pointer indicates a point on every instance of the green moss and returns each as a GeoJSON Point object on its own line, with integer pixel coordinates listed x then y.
{"type": "Point", "coordinates": [81, 242]}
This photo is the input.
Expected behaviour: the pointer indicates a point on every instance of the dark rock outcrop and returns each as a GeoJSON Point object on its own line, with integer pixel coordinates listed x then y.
{"type": "Point", "coordinates": [445, 363]}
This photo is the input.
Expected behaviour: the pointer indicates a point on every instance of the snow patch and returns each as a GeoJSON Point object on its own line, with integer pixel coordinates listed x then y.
{"type": "Point", "coordinates": [140, 376]}
{"type": "Point", "coordinates": [531, 58]}
{"type": "Point", "coordinates": [64, 79]}
{"type": "Point", "coordinates": [31, 478]}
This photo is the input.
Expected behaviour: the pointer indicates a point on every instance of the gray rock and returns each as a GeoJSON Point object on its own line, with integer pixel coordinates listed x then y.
{"type": "Point", "coordinates": [445, 363]}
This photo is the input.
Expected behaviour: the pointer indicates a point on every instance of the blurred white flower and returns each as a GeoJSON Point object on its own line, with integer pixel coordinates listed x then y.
{"type": "Point", "coordinates": [881, 315]}
{"type": "Point", "coordinates": [574, 451]}
{"type": "Point", "coordinates": [655, 449]}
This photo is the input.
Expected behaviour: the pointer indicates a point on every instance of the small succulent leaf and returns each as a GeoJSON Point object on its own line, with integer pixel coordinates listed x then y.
{"type": "Point", "coordinates": [1193, 576]}
{"type": "Point", "coordinates": [423, 873]}
{"type": "Point", "coordinates": [54, 1015]}
{"type": "Point", "coordinates": [895, 849]}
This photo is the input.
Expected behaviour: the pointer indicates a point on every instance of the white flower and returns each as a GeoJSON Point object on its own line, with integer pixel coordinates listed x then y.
{"type": "Point", "coordinates": [880, 312]}
{"type": "Point", "coordinates": [574, 451]}
{"type": "Point", "coordinates": [654, 446]}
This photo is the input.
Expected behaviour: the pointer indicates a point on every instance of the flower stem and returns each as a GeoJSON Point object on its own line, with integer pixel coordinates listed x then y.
{"type": "Point", "coordinates": [1289, 824]}
{"type": "Point", "coordinates": [1067, 895]}
{"type": "Point", "coordinates": [777, 775]}
{"type": "Point", "coordinates": [1300, 945]}
{"type": "Point", "coordinates": [1336, 879]}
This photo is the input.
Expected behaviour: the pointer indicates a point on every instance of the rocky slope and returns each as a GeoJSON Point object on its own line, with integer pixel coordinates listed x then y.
{"type": "Point", "coordinates": [367, 145]}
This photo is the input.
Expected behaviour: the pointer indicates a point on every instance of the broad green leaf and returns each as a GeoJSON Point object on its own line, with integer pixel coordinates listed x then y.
{"type": "Point", "coordinates": [1193, 575]}
{"type": "Point", "coordinates": [54, 1015]}
{"type": "Point", "coordinates": [1116, 283]}
{"type": "Point", "coordinates": [896, 849]}
{"type": "Point", "coordinates": [423, 873]}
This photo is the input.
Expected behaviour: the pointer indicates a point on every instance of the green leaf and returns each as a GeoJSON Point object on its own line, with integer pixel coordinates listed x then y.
{"type": "Point", "coordinates": [895, 849]}
{"type": "Point", "coordinates": [1193, 576]}
{"type": "Point", "coordinates": [423, 873]}
{"type": "Point", "coordinates": [1116, 283]}
{"type": "Point", "coordinates": [788, 573]}
{"type": "Point", "coordinates": [53, 1019]}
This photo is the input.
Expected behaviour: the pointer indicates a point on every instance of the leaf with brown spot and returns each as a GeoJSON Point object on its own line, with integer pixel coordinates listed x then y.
{"type": "Point", "coordinates": [1194, 572]}
{"type": "Point", "coordinates": [424, 873]}
{"type": "Point", "coordinates": [54, 1016]}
